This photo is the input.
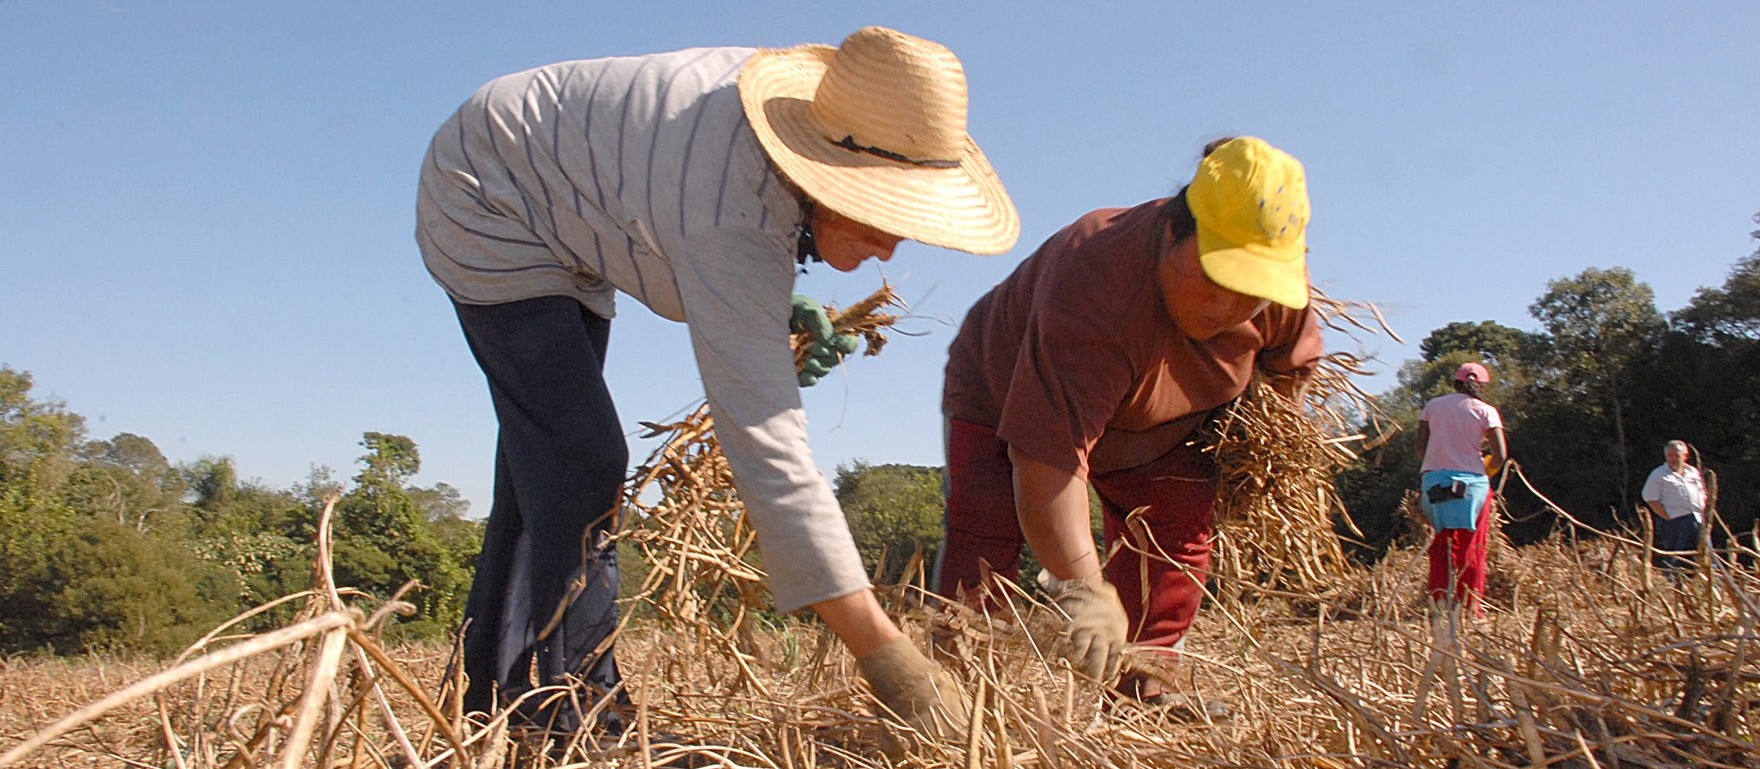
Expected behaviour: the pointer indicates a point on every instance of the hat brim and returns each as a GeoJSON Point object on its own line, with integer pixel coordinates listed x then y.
{"type": "Point", "coordinates": [963, 208]}
{"type": "Point", "coordinates": [1277, 275]}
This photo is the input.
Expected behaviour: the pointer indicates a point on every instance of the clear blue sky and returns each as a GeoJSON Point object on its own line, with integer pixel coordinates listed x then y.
{"type": "Point", "coordinates": [206, 214]}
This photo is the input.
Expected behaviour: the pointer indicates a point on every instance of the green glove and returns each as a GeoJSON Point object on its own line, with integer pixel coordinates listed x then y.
{"type": "Point", "coordinates": [828, 348]}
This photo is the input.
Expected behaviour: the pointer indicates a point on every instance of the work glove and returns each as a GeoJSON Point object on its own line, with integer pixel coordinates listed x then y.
{"type": "Point", "coordinates": [1095, 638]}
{"type": "Point", "coordinates": [917, 692]}
{"type": "Point", "coordinates": [828, 347]}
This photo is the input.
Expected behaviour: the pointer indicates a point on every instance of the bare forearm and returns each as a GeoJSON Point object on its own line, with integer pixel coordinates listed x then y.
{"type": "Point", "coordinates": [858, 621]}
{"type": "Point", "coordinates": [1499, 447]}
{"type": "Point", "coordinates": [1052, 505]}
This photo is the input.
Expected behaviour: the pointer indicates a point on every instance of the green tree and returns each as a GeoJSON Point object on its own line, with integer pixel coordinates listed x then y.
{"type": "Point", "coordinates": [1489, 341]}
{"type": "Point", "coordinates": [441, 502]}
{"type": "Point", "coordinates": [384, 540]}
{"type": "Point", "coordinates": [105, 545]}
{"type": "Point", "coordinates": [127, 478]}
{"type": "Point", "coordinates": [893, 510]}
{"type": "Point", "coordinates": [86, 562]}
{"type": "Point", "coordinates": [1599, 324]}
{"type": "Point", "coordinates": [1728, 316]}
{"type": "Point", "coordinates": [39, 442]}
{"type": "Point", "coordinates": [113, 588]}
{"type": "Point", "coordinates": [444, 511]}
{"type": "Point", "coordinates": [213, 481]}
{"type": "Point", "coordinates": [1704, 384]}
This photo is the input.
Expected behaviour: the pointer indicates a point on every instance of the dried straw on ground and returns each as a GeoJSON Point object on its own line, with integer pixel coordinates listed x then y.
{"type": "Point", "coordinates": [1583, 659]}
{"type": "Point", "coordinates": [1576, 664]}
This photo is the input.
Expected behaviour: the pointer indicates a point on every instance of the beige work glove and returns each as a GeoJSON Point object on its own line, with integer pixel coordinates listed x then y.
{"type": "Point", "coordinates": [1095, 637]}
{"type": "Point", "coordinates": [916, 691]}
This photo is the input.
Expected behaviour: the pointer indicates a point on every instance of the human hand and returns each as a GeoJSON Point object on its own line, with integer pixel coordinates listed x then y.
{"type": "Point", "coordinates": [827, 348]}
{"type": "Point", "coordinates": [1095, 636]}
{"type": "Point", "coordinates": [916, 691]}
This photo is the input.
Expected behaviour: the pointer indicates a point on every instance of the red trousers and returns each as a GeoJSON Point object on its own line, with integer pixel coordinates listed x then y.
{"type": "Point", "coordinates": [1457, 559]}
{"type": "Point", "coordinates": [1159, 557]}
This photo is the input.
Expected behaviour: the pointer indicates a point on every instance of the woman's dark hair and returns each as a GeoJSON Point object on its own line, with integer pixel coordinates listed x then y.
{"type": "Point", "coordinates": [1180, 221]}
{"type": "Point", "coordinates": [806, 248]}
{"type": "Point", "coordinates": [1472, 387]}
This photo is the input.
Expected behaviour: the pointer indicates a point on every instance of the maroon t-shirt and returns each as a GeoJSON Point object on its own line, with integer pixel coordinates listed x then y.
{"type": "Point", "coordinates": [1077, 363]}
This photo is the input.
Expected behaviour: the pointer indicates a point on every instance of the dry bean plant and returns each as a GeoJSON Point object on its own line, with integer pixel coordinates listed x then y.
{"type": "Point", "coordinates": [1584, 656]}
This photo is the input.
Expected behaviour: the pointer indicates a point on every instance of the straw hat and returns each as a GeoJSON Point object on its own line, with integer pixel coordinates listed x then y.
{"type": "Point", "coordinates": [875, 130]}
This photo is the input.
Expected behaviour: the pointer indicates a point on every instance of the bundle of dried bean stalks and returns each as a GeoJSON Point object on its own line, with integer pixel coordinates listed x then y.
{"type": "Point", "coordinates": [684, 516]}
{"type": "Point", "coordinates": [1278, 516]}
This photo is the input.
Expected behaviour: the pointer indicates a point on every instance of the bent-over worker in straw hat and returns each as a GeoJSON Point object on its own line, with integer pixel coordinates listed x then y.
{"type": "Point", "coordinates": [1093, 363]}
{"type": "Point", "coordinates": [692, 182]}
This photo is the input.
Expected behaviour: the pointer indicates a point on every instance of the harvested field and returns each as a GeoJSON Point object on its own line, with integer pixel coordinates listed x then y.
{"type": "Point", "coordinates": [1584, 657]}
{"type": "Point", "coordinates": [1575, 663]}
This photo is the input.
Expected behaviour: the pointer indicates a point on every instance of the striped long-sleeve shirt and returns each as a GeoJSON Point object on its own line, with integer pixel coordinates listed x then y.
{"type": "Point", "coordinates": [642, 175]}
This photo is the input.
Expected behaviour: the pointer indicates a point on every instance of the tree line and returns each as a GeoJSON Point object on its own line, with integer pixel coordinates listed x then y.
{"type": "Point", "coordinates": [1589, 398]}
{"type": "Point", "coordinates": [105, 545]}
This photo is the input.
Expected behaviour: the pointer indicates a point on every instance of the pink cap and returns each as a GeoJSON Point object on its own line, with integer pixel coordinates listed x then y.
{"type": "Point", "coordinates": [1472, 372]}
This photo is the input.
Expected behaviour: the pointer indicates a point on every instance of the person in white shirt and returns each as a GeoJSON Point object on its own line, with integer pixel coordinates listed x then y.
{"type": "Point", "coordinates": [1675, 494]}
{"type": "Point", "coordinates": [696, 183]}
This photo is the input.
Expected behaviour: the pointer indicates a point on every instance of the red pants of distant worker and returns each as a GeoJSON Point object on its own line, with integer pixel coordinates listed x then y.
{"type": "Point", "coordinates": [1457, 560]}
{"type": "Point", "coordinates": [1160, 591]}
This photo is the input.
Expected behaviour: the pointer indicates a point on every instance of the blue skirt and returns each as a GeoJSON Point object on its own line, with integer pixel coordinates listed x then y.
{"type": "Point", "coordinates": [1459, 513]}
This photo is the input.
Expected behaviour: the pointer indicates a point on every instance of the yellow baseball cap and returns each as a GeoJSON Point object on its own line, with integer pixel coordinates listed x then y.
{"type": "Point", "coordinates": [1250, 200]}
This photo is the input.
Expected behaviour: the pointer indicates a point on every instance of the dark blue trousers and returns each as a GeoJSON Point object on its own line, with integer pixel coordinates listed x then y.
{"type": "Point", "coordinates": [1675, 535]}
{"type": "Point", "coordinates": [560, 461]}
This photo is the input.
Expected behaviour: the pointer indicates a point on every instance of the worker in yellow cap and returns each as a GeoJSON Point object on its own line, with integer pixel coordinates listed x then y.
{"type": "Point", "coordinates": [1092, 364]}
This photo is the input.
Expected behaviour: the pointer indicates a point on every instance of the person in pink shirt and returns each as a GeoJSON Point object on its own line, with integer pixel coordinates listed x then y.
{"type": "Point", "coordinates": [1456, 486]}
